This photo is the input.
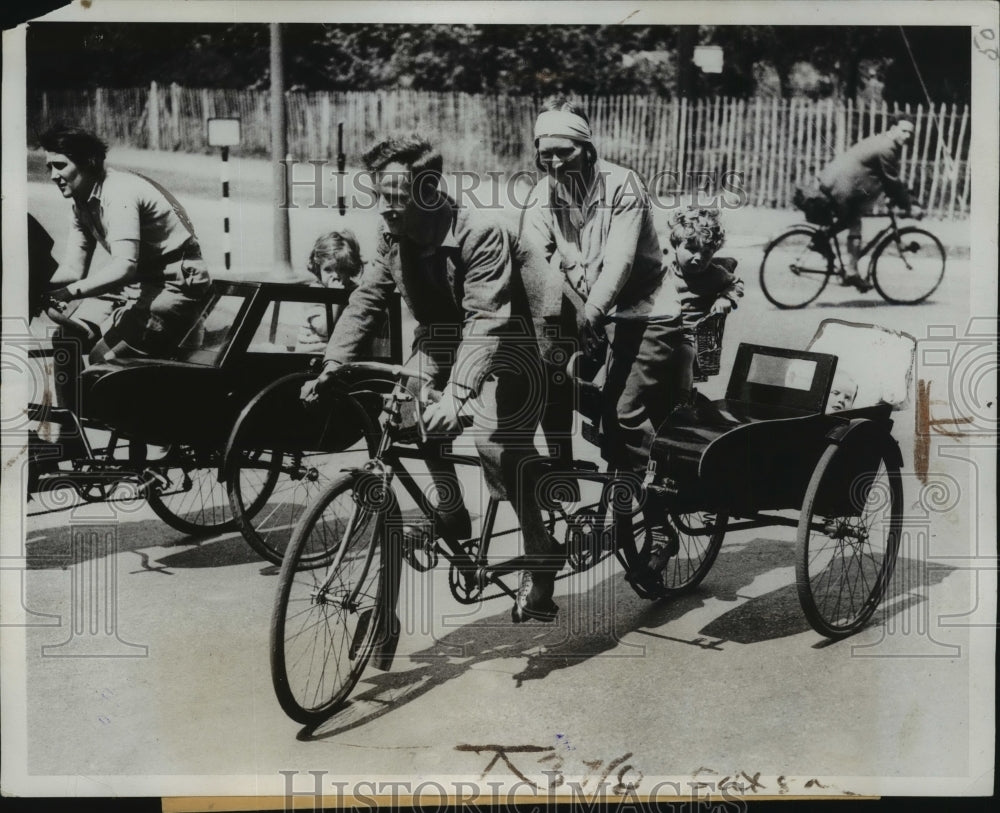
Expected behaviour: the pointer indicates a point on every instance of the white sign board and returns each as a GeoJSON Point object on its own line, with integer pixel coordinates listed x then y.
{"type": "Point", "coordinates": [708, 58]}
{"type": "Point", "coordinates": [223, 132]}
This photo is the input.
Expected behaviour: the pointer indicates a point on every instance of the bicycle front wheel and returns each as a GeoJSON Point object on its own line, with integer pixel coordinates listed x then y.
{"type": "Point", "coordinates": [792, 273]}
{"type": "Point", "coordinates": [908, 266]}
{"type": "Point", "coordinates": [326, 616]}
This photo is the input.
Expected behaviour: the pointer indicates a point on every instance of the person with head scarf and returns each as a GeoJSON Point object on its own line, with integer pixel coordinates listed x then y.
{"type": "Point", "coordinates": [592, 223]}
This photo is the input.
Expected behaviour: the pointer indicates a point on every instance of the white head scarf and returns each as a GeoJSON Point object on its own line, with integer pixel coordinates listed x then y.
{"type": "Point", "coordinates": [562, 124]}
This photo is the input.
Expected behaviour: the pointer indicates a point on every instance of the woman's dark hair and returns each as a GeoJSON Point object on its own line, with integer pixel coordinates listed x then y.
{"type": "Point", "coordinates": [412, 150]}
{"type": "Point", "coordinates": [563, 104]}
{"type": "Point", "coordinates": [81, 146]}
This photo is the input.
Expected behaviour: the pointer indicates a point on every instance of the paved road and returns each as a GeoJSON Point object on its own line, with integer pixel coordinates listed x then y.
{"type": "Point", "coordinates": [727, 680]}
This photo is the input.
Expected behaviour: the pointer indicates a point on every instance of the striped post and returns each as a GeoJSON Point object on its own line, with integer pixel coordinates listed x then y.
{"type": "Point", "coordinates": [341, 167]}
{"type": "Point", "coordinates": [227, 245]}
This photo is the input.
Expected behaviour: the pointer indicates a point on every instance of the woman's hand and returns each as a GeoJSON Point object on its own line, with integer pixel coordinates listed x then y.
{"type": "Point", "coordinates": [443, 415]}
{"type": "Point", "coordinates": [593, 333]}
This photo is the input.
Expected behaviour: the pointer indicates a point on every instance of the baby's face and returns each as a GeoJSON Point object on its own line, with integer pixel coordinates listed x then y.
{"type": "Point", "coordinates": [842, 395]}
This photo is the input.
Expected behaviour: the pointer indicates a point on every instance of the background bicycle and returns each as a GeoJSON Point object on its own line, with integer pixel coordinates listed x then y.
{"type": "Point", "coordinates": [906, 266]}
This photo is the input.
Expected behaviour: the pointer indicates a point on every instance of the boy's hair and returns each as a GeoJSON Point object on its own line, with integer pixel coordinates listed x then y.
{"type": "Point", "coordinates": [81, 146]}
{"type": "Point", "coordinates": [338, 247]}
{"type": "Point", "coordinates": [697, 229]}
{"type": "Point", "coordinates": [901, 117]}
{"type": "Point", "coordinates": [412, 150]}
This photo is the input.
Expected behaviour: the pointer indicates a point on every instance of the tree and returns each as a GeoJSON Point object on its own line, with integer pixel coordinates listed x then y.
{"type": "Point", "coordinates": [535, 60]}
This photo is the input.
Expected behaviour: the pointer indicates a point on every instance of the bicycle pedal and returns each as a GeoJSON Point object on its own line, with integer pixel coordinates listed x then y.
{"type": "Point", "coordinates": [419, 548]}
{"type": "Point", "coordinates": [150, 478]}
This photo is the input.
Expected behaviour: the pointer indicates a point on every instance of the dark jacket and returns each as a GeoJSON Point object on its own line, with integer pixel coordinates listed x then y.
{"type": "Point", "coordinates": [464, 288]}
{"type": "Point", "coordinates": [698, 291]}
{"type": "Point", "coordinates": [865, 171]}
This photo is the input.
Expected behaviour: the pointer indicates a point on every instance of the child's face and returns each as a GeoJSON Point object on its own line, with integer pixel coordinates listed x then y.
{"type": "Point", "coordinates": [842, 395]}
{"type": "Point", "coordinates": [690, 261]}
{"type": "Point", "coordinates": [339, 275]}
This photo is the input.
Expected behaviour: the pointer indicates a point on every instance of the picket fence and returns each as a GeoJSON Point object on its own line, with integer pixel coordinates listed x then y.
{"type": "Point", "coordinates": [765, 146]}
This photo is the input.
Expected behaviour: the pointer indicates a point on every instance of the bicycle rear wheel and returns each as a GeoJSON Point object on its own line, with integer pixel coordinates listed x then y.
{"type": "Point", "coordinates": [700, 536]}
{"type": "Point", "coordinates": [326, 618]}
{"type": "Point", "coordinates": [908, 266]}
{"type": "Point", "coordinates": [792, 274]}
{"type": "Point", "coordinates": [848, 536]}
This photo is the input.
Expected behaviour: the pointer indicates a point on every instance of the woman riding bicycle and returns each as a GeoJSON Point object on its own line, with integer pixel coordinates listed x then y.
{"type": "Point", "coordinates": [592, 221]}
{"type": "Point", "coordinates": [151, 242]}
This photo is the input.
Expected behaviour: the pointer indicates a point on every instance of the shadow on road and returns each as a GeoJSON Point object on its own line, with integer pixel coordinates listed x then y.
{"type": "Point", "coordinates": [778, 613]}
{"type": "Point", "coordinates": [65, 546]}
{"type": "Point", "coordinates": [594, 618]}
{"type": "Point", "coordinates": [593, 622]}
{"type": "Point", "coordinates": [868, 302]}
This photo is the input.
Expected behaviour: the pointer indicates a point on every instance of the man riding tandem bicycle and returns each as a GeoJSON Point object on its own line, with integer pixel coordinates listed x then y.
{"type": "Point", "coordinates": [336, 607]}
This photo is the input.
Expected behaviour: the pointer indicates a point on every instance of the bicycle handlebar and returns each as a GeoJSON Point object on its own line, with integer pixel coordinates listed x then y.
{"type": "Point", "coordinates": [56, 311]}
{"type": "Point", "coordinates": [394, 371]}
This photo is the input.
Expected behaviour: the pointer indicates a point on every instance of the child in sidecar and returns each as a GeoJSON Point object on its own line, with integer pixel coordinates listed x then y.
{"type": "Point", "coordinates": [335, 261]}
{"type": "Point", "coordinates": [707, 285]}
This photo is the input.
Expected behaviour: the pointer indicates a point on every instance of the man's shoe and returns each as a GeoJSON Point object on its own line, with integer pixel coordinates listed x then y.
{"type": "Point", "coordinates": [856, 281]}
{"type": "Point", "coordinates": [645, 581]}
{"type": "Point", "coordinates": [664, 545]}
{"type": "Point", "coordinates": [534, 598]}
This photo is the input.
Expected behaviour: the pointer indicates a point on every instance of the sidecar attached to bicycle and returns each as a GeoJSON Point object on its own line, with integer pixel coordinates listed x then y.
{"type": "Point", "coordinates": [768, 448]}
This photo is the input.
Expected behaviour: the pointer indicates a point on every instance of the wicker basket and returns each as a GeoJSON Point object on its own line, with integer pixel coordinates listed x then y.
{"type": "Point", "coordinates": [708, 346]}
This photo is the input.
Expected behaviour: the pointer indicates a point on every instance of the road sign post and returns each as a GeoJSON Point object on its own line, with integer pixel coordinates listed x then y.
{"type": "Point", "coordinates": [225, 133]}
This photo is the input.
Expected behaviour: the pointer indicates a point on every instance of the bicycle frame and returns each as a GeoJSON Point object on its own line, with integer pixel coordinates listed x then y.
{"type": "Point", "coordinates": [891, 228]}
{"type": "Point", "coordinates": [477, 570]}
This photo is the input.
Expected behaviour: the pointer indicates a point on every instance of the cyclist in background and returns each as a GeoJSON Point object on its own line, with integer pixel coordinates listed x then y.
{"type": "Point", "coordinates": [855, 179]}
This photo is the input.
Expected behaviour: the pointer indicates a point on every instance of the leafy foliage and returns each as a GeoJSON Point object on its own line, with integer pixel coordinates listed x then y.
{"type": "Point", "coordinates": [529, 60]}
